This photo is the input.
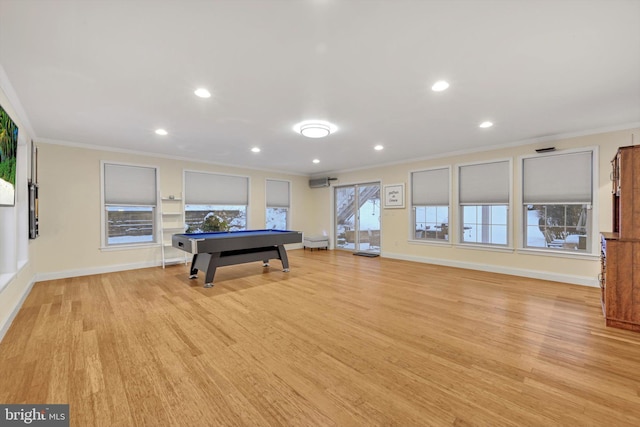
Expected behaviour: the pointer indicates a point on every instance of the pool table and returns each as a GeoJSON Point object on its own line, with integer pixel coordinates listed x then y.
{"type": "Point", "coordinates": [220, 248]}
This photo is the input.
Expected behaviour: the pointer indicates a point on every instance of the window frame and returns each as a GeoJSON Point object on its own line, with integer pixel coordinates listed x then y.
{"type": "Point", "coordinates": [268, 206]}
{"type": "Point", "coordinates": [216, 203]}
{"type": "Point", "coordinates": [592, 236]}
{"type": "Point", "coordinates": [156, 240]}
{"type": "Point", "coordinates": [509, 205]}
{"type": "Point", "coordinates": [413, 219]}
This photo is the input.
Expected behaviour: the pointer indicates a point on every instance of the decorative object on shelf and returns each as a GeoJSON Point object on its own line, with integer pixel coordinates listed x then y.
{"type": "Point", "coordinates": [172, 197]}
{"type": "Point", "coordinates": [394, 196]}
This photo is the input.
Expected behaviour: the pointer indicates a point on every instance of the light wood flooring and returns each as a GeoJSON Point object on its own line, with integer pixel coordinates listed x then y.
{"type": "Point", "coordinates": [341, 340]}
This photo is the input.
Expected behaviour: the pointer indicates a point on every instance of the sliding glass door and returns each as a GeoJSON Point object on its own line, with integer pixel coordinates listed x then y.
{"type": "Point", "coordinates": [357, 217]}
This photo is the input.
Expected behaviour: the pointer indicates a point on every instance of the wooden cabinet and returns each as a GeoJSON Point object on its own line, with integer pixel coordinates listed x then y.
{"type": "Point", "coordinates": [620, 249]}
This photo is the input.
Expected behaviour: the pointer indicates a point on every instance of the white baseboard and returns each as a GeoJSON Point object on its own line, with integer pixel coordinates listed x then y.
{"type": "Point", "coordinates": [95, 270]}
{"type": "Point", "coordinates": [534, 274]}
{"type": "Point", "coordinates": [6, 323]}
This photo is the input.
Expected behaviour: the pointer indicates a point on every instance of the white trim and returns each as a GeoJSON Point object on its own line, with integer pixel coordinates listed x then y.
{"type": "Point", "coordinates": [333, 210]}
{"type": "Point", "coordinates": [593, 249]}
{"type": "Point", "coordinates": [412, 208]}
{"type": "Point", "coordinates": [522, 142]}
{"type": "Point", "coordinates": [129, 246]}
{"type": "Point", "coordinates": [14, 101]}
{"type": "Point", "coordinates": [289, 220]}
{"type": "Point", "coordinates": [533, 274]}
{"type": "Point", "coordinates": [427, 242]}
{"type": "Point", "coordinates": [485, 247]}
{"type": "Point", "coordinates": [156, 213]}
{"type": "Point", "coordinates": [5, 279]}
{"type": "Point", "coordinates": [7, 321]}
{"type": "Point", "coordinates": [558, 253]}
{"type": "Point", "coordinates": [459, 229]}
{"type": "Point", "coordinates": [54, 275]}
{"type": "Point", "coordinates": [158, 155]}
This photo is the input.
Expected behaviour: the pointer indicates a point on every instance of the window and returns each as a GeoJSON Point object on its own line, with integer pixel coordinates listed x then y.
{"type": "Point", "coordinates": [277, 214]}
{"type": "Point", "coordinates": [215, 202]}
{"type": "Point", "coordinates": [484, 203]}
{"type": "Point", "coordinates": [557, 198]}
{"type": "Point", "coordinates": [129, 204]}
{"type": "Point", "coordinates": [430, 202]}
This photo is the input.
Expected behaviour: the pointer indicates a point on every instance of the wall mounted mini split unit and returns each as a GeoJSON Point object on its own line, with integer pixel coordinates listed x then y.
{"type": "Point", "coordinates": [320, 182]}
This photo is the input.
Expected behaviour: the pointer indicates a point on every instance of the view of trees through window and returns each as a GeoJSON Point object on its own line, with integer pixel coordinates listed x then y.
{"type": "Point", "coordinates": [205, 218]}
{"type": "Point", "coordinates": [129, 224]}
{"type": "Point", "coordinates": [557, 226]}
{"type": "Point", "coordinates": [277, 218]}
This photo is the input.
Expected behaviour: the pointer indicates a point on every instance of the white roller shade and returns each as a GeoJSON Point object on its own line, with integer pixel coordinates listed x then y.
{"type": "Point", "coordinates": [129, 185]}
{"type": "Point", "coordinates": [561, 178]}
{"type": "Point", "coordinates": [203, 188]}
{"type": "Point", "coordinates": [277, 194]}
{"type": "Point", "coordinates": [485, 184]}
{"type": "Point", "coordinates": [430, 187]}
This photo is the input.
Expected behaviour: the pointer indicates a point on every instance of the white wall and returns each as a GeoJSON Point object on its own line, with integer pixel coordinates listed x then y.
{"type": "Point", "coordinates": [16, 251]}
{"type": "Point", "coordinates": [70, 207]}
{"type": "Point", "coordinates": [396, 222]}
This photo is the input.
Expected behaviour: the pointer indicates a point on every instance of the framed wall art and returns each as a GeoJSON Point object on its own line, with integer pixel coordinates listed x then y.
{"type": "Point", "coordinates": [394, 196]}
{"type": "Point", "coordinates": [8, 151]}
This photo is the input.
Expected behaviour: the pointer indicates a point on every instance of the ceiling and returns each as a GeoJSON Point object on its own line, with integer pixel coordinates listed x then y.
{"type": "Point", "coordinates": [108, 73]}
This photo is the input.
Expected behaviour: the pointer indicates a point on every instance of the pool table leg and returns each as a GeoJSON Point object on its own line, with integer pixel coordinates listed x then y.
{"type": "Point", "coordinates": [193, 272]}
{"type": "Point", "coordinates": [214, 261]}
{"type": "Point", "coordinates": [282, 253]}
{"type": "Point", "coordinates": [207, 263]}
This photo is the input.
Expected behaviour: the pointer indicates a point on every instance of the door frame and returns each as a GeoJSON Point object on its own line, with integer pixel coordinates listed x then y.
{"type": "Point", "coordinates": [334, 215]}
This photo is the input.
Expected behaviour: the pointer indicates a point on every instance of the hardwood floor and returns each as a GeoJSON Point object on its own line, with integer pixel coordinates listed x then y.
{"type": "Point", "coordinates": [341, 340]}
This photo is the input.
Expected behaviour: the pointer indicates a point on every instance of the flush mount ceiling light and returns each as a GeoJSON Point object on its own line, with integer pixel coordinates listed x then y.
{"type": "Point", "coordinates": [202, 93]}
{"type": "Point", "coordinates": [161, 132]}
{"type": "Point", "coordinates": [316, 161]}
{"type": "Point", "coordinates": [255, 149]}
{"type": "Point", "coordinates": [315, 128]}
{"type": "Point", "coordinates": [485, 125]}
{"type": "Point", "coordinates": [378, 147]}
{"type": "Point", "coordinates": [439, 86]}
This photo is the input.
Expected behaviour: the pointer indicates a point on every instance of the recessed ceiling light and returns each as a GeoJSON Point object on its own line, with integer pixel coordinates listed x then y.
{"type": "Point", "coordinates": [316, 161]}
{"type": "Point", "coordinates": [161, 132]}
{"type": "Point", "coordinates": [315, 128]}
{"type": "Point", "coordinates": [255, 149]}
{"type": "Point", "coordinates": [439, 86]}
{"type": "Point", "coordinates": [485, 125]}
{"type": "Point", "coordinates": [202, 93]}
{"type": "Point", "coordinates": [378, 147]}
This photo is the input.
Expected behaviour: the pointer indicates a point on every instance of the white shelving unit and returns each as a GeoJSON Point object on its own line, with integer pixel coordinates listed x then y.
{"type": "Point", "coordinates": [171, 222]}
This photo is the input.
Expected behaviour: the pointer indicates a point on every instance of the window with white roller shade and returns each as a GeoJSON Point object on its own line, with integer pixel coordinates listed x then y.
{"type": "Point", "coordinates": [484, 195]}
{"type": "Point", "coordinates": [559, 178]}
{"type": "Point", "coordinates": [203, 188]}
{"type": "Point", "coordinates": [430, 187]}
{"type": "Point", "coordinates": [277, 193]}
{"type": "Point", "coordinates": [430, 202]}
{"type": "Point", "coordinates": [129, 204]}
{"type": "Point", "coordinates": [215, 202]}
{"type": "Point", "coordinates": [484, 183]}
{"type": "Point", "coordinates": [278, 204]}
{"type": "Point", "coordinates": [129, 185]}
{"type": "Point", "coordinates": [557, 198]}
